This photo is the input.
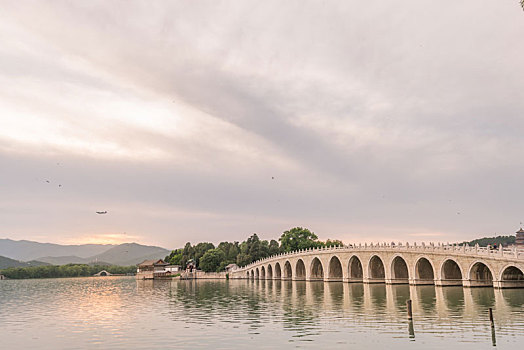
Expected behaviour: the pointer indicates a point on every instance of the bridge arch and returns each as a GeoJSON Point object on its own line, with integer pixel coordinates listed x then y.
{"type": "Point", "coordinates": [376, 270]}
{"type": "Point", "coordinates": [511, 276]}
{"type": "Point", "coordinates": [480, 275]}
{"type": "Point", "coordinates": [355, 272]}
{"type": "Point", "coordinates": [257, 273]}
{"type": "Point", "coordinates": [269, 272]}
{"type": "Point", "coordinates": [300, 270]}
{"type": "Point", "coordinates": [424, 271]}
{"type": "Point", "coordinates": [335, 272]}
{"type": "Point", "coordinates": [252, 274]}
{"type": "Point", "coordinates": [247, 274]}
{"type": "Point", "coordinates": [262, 273]}
{"type": "Point", "coordinates": [316, 270]}
{"type": "Point", "coordinates": [399, 270]}
{"type": "Point", "coordinates": [278, 271]}
{"type": "Point", "coordinates": [450, 273]}
{"type": "Point", "coordinates": [288, 274]}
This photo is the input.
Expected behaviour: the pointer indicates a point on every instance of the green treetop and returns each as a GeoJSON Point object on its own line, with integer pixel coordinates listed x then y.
{"type": "Point", "coordinates": [212, 260]}
{"type": "Point", "coordinates": [298, 238]}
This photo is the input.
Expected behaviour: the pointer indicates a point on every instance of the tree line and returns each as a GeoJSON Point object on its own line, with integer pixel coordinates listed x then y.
{"type": "Point", "coordinates": [499, 240]}
{"type": "Point", "coordinates": [209, 258]}
{"type": "Point", "coordinates": [69, 270]}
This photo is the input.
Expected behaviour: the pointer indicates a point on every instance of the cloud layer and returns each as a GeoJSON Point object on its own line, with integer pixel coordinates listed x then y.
{"type": "Point", "coordinates": [212, 120]}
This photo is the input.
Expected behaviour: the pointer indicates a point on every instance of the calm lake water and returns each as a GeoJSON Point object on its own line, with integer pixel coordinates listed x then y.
{"type": "Point", "coordinates": [122, 313]}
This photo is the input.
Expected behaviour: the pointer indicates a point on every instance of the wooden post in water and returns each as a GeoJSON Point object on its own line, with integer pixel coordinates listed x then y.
{"type": "Point", "coordinates": [493, 336]}
{"type": "Point", "coordinates": [411, 329]}
{"type": "Point", "coordinates": [410, 310]}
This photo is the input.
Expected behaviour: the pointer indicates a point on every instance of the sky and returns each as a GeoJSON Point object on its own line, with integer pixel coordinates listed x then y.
{"type": "Point", "coordinates": [213, 120]}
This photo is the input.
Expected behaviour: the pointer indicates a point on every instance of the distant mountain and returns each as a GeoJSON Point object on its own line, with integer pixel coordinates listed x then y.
{"type": "Point", "coordinates": [56, 254]}
{"type": "Point", "coordinates": [130, 254]}
{"type": "Point", "coordinates": [7, 263]}
{"type": "Point", "coordinates": [27, 250]}
{"type": "Point", "coordinates": [124, 254]}
{"type": "Point", "coordinates": [62, 260]}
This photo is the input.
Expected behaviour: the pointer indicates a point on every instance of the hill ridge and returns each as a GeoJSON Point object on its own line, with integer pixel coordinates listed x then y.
{"type": "Point", "coordinates": [129, 253]}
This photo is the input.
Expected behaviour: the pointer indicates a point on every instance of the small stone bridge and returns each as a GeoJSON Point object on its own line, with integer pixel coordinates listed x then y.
{"type": "Point", "coordinates": [441, 265]}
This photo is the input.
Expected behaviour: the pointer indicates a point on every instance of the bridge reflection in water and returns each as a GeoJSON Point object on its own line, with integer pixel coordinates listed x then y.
{"type": "Point", "coordinates": [312, 308]}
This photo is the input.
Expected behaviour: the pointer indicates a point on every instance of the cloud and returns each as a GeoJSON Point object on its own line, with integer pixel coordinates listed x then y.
{"type": "Point", "coordinates": [374, 120]}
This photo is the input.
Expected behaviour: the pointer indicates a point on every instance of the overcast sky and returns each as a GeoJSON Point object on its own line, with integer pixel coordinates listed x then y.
{"type": "Point", "coordinates": [211, 120]}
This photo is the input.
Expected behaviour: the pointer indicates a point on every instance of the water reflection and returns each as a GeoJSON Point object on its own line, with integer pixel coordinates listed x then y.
{"type": "Point", "coordinates": [453, 297]}
{"type": "Point", "coordinates": [483, 297]}
{"type": "Point", "coordinates": [426, 297]}
{"type": "Point", "coordinates": [377, 293]}
{"type": "Point", "coordinates": [514, 297]}
{"type": "Point", "coordinates": [356, 295]}
{"type": "Point", "coordinates": [302, 306]}
{"type": "Point", "coordinates": [121, 313]}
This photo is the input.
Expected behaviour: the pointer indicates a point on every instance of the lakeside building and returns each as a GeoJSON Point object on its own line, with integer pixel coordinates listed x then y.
{"type": "Point", "coordinates": [150, 269]}
{"type": "Point", "coordinates": [173, 269]}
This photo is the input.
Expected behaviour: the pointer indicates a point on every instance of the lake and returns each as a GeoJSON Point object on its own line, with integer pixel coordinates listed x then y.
{"type": "Point", "coordinates": [122, 313]}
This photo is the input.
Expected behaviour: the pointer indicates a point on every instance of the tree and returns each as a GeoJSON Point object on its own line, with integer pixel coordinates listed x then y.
{"type": "Point", "coordinates": [274, 248]}
{"type": "Point", "coordinates": [298, 238]}
{"type": "Point", "coordinates": [200, 249]}
{"type": "Point", "coordinates": [333, 243]}
{"type": "Point", "coordinates": [211, 260]}
{"type": "Point", "coordinates": [175, 257]}
{"type": "Point", "coordinates": [231, 250]}
{"type": "Point", "coordinates": [187, 253]}
{"type": "Point", "coordinates": [243, 259]}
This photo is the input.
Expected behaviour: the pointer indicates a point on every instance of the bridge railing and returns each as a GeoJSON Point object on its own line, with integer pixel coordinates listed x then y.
{"type": "Point", "coordinates": [476, 250]}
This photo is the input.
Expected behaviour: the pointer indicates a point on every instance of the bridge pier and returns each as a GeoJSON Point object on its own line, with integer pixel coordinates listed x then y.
{"type": "Point", "coordinates": [445, 283]}
{"type": "Point", "coordinates": [353, 280]}
{"type": "Point", "coordinates": [420, 282]}
{"type": "Point", "coordinates": [313, 279]}
{"type": "Point", "coordinates": [508, 284]}
{"type": "Point", "coordinates": [368, 280]}
{"type": "Point", "coordinates": [333, 279]}
{"type": "Point", "coordinates": [477, 283]}
{"type": "Point", "coordinates": [397, 281]}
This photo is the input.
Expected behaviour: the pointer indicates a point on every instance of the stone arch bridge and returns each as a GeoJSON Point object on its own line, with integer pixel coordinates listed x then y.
{"type": "Point", "coordinates": [441, 265]}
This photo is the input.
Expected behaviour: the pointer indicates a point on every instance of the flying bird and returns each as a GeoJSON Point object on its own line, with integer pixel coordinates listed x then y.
{"type": "Point", "coordinates": [101, 212]}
